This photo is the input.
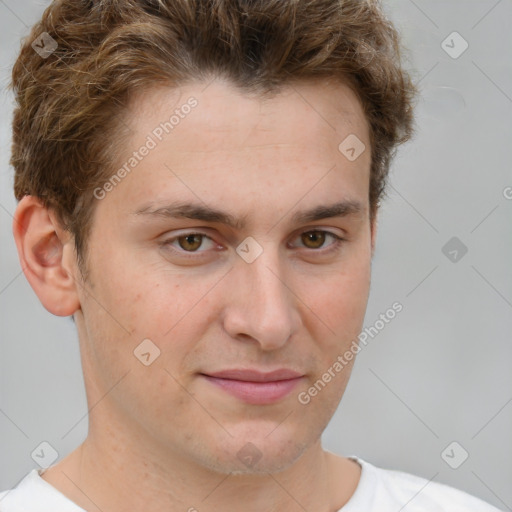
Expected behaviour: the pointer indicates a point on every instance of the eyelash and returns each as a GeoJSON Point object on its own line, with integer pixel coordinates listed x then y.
{"type": "Point", "coordinates": [338, 241]}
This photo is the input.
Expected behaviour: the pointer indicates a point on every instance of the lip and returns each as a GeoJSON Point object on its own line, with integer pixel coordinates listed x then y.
{"type": "Point", "coordinates": [256, 387]}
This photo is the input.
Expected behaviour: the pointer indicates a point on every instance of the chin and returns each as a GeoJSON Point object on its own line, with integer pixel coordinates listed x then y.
{"type": "Point", "coordinates": [254, 457]}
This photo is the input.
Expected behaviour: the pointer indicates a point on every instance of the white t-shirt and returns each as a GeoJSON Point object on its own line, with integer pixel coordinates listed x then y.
{"type": "Point", "coordinates": [379, 490]}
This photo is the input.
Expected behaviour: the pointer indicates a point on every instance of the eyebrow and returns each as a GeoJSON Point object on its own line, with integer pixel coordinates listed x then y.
{"type": "Point", "coordinates": [204, 213]}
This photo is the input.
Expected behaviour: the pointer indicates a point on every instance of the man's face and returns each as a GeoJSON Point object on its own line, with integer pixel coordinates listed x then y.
{"type": "Point", "coordinates": [291, 297]}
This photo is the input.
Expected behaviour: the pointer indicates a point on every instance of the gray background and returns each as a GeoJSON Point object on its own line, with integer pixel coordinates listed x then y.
{"type": "Point", "coordinates": [441, 370]}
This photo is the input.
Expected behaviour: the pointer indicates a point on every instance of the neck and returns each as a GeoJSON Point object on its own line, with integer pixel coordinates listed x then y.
{"type": "Point", "coordinates": [110, 471]}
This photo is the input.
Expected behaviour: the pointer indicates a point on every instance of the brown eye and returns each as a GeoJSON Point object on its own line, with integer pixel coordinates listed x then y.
{"type": "Point", "coordinates": [190, 242]}
{"type": "Point", "coordinates": [190, 245]}
{"type": "Point", "coordinates": [313, 239]}
{"type": "Point", "coordinates": [320, 242]}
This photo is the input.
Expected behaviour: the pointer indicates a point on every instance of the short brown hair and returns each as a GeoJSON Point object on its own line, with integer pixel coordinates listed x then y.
{"type": "Point", "coordinates": [69, 103]}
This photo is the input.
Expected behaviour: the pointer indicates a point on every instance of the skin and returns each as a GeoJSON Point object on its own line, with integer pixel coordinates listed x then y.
{"type": "Point", "coordinates": [162, 434]}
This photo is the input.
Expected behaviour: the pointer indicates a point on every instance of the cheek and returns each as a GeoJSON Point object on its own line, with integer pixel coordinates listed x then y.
{"type": "Point", "coordinates": [137, 301]}
{"type": "Point", "coordinates": [170, 310]}
{"type": "Point", "coordinates": [340, 303]}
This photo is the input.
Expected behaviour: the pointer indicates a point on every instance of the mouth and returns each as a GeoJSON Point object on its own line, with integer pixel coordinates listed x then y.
{"type": "Point", "coordinates": [255, 387]}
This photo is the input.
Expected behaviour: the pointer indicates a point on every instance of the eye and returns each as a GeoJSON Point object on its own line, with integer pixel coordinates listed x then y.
{"type": "Point", "coordinates": [188, 242]}
{"type": "Point", "coordinates": [315, 239]}
{"type": "Point", "coordinates": [191, 242]}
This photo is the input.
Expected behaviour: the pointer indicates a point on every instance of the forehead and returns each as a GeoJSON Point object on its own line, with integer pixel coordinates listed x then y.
{"type": "Point", "coordinates": [296, 113]}
{"type": "Point", "coordinates": [216, 144]}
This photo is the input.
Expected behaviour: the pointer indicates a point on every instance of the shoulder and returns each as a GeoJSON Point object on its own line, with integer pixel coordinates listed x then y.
{"type": "Point", "coordinates": [386, 489]}
{"type": "Point", "coordinates": [33, 494]}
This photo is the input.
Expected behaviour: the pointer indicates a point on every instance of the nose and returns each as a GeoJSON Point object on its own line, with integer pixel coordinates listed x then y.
{"type": "Point", "coordinates": [261, 305]}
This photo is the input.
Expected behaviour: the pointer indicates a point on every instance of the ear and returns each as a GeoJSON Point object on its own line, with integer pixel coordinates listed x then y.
{"type": "Point", "coordinates": [47, 256]}
{"type": "Point", "coordinates": [373, 228]}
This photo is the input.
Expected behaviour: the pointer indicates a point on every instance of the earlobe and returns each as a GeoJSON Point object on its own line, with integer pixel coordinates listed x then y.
{"type": "Point", "coordinates": [43, 247]}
